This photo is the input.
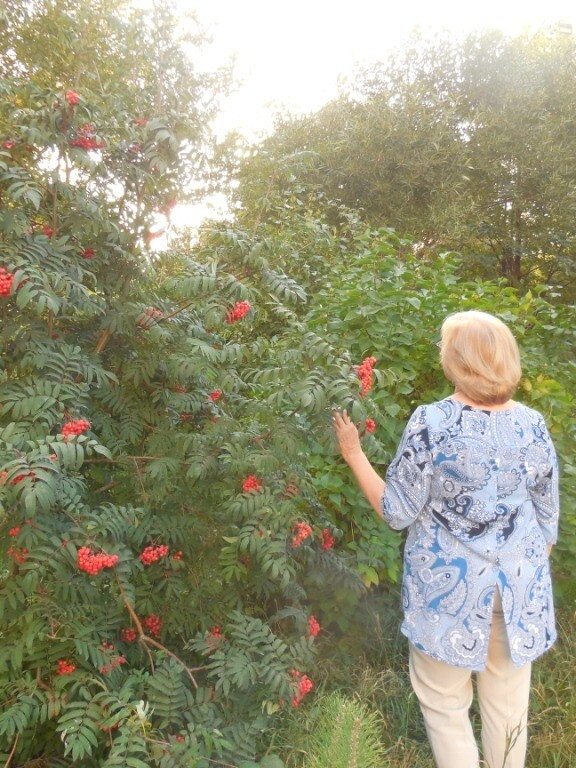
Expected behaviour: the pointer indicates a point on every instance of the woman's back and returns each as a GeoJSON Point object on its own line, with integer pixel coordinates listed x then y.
{"type": "Point", "coordinates": [478, 489]}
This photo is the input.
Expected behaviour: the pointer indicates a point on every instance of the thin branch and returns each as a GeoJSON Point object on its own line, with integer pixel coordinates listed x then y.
{"type": "Point", "coordinates": [145, 641]}
{"type": "Point", "coordinates": [176, 311]}
{"type": "Point", "coordinates": [184, 666]}
{"type": "Point", "coordinates": [105, 335]}
{"type": "Point", "coordinates": [139, 473]}
{"type": "Point", "coordinates": [106, 487]}
{"type": "Point", "coordinates": [12, 751]}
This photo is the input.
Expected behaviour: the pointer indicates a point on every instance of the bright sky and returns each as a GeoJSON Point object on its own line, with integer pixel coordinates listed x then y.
{"type": "Point", "coordinates": [291, 53]}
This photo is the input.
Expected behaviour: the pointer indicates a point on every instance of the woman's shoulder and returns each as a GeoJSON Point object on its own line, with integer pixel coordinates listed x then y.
{"type": "Point", "coordinates": [449, 409]}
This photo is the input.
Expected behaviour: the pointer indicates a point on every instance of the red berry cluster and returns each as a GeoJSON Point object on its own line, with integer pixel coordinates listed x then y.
{"type": "Point", "coordinates": [305, 685]}
{"type": "Point", "coordinates": [216, 395]}
{"type": "Point", "coordinates": [370, 425]}
{"type": "Point", "coordinates": [72, 98]}
{"type": "Point", "coordinates": [128, 634]}
{"type": "Point", "coordinates": [365, 374]}
{"type": "Point", "coordinates": [214, 639]}
{"type": "Point", "coordinates": [148, 317]}
{"type": "Point", "coordinates": [327, 539]}
{"type": "Point", "coordinates": [153, 554]}
{"type": "Point", "coordinates": [93, 564]}
{"type": "Point", "coordinates": [14, 531]}
{"type": "Point", "coordinates": [238, 311]}
{"type": "Point", "coordinates": [153, 624]}
{"type": "Point", "coordinates": [17, 554]}
{"type": "Point", "coordinates": [178, 555]}
{"type": "Point", "coordinates": [8, 144]}
{"type": "Point", "coordinates": [65, 667]}
{"type": "Point", "coordinates": [314, 627]}
{"type": "Point", "coordinates": [88, 253]}
{"type": "Point", "coordinates": [139, 121]}
{"type": "Point", "coordinates": [302, 531]}
{"type": "Point", "coordinates": [15, 480]}
{"type": "Point", "coordinates": [86, 138]}
{"type": "Point", "coordinates": [48, 231]}
{"type": "Point", "coordinates": [115, 661]}
{"type": "Point", "coordinates": [75, 427]}
{"type": "Point", "coordinates": [6, 280]}
{"type": "Point", "coordinates": [251, 483]}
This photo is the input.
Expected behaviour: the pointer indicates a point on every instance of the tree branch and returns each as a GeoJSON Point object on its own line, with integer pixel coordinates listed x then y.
{"type": "Point", "coordinates": [12, 751]}
{"type": "Point", "coordinates": [145, 641]}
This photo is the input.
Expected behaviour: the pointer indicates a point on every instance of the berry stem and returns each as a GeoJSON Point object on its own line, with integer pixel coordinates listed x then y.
{"type": "Point", "coordinates": [145, 640]}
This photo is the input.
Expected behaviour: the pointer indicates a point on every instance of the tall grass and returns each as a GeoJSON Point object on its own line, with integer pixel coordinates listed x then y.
{"type": "Point", "coordinates": [380, 682]}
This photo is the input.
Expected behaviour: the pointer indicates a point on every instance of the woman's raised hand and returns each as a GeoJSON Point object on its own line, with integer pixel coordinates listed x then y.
{"type": "Point", "coordinates": [346, 434]}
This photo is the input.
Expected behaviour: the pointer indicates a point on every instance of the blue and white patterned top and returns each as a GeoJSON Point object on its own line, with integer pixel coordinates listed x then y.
{"type": "Point", "coordinates": [478, 491]}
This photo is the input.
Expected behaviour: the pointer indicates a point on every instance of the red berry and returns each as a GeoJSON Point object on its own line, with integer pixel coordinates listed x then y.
{"type": "Point", "coordinates": [65, 667]}
{"type": "Point", "coordinates": [314, 627]}
{"type": "Point", "coordinates": [72, 98]}
{"type": "Point", "coordinates": [18, 554]}
{"type": "Point", "coordinates": [94, 563]}
{"type": "Point", "coordinates": [153, 624]}
{"type": "Point", "coordinates": [302, 530]}
{"type": "Point", "coordinates": [153, 554]}
{"type": "Point", "coordinates": [6, 280]}
{"type": "Point", "coordinates": [238, 311]}
{"type": "Point", "coordinates": [365, 374]}
{"type": "Point", "coordinates": [86, 138]}
{"type": "Point", "coordinates": [251, 483]}
{"type": "Point", "coordinates": [149, 317]}
{"type": "Point", "coordinates": [304, 686]}
{"type": "Point", "coordinates": [75, 427]}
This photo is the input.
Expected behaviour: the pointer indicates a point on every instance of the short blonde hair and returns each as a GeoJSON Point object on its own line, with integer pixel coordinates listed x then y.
{"type": "Point", "coordinates": [479, 355]}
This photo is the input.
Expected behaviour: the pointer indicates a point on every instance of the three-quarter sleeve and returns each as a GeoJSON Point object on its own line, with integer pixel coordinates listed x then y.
{"type": "Point", "coordinates": [544, 489]}
{"type": "Point", "coordinates": [409, 475]}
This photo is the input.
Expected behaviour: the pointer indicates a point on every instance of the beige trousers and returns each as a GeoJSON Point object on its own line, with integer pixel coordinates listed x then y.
{"type": "Point", "coordinates": [445, 696]}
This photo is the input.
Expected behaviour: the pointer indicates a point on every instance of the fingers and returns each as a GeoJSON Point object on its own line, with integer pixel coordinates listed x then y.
{"type": "Point", "coordinates": [339, 419]}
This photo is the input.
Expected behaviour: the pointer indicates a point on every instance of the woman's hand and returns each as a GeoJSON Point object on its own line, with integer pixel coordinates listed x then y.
{"type": "Point", "coordinates": [370, 482]}
{"type": "Point", "coordinates": [347, 435]}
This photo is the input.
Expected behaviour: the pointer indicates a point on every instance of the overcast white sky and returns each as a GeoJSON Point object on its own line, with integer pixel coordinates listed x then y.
{"type": "Point", "coordinates": [291, 53]}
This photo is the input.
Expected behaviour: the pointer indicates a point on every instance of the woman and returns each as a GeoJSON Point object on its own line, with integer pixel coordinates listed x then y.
{"type": "Point", "coordinates": [475, 481]}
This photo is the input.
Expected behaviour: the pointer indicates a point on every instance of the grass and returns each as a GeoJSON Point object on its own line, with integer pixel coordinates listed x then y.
{"type": "Point", "coordinates": [379, 682]}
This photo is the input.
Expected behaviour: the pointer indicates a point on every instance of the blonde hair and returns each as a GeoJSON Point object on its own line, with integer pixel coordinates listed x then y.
{"type": "Point", "coordinates": [479, 355]}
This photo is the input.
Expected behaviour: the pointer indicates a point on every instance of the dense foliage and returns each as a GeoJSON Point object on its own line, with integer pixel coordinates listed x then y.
{"type": "Point", "coordinates": [181, 543]}
{"type": "Point", "coordinates": [466, 144]}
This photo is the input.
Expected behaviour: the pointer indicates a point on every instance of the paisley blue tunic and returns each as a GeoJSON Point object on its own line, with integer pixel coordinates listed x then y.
{"type": "Point", "coordinates": [478, 491]}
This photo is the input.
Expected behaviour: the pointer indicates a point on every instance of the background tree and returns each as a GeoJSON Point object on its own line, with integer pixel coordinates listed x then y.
{"type": "Point", "coordinates": [464, 144]}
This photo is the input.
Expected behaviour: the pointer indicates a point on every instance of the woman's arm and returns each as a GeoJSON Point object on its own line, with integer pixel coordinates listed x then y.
{"type": "Point", "coordinates": [370, 482]}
